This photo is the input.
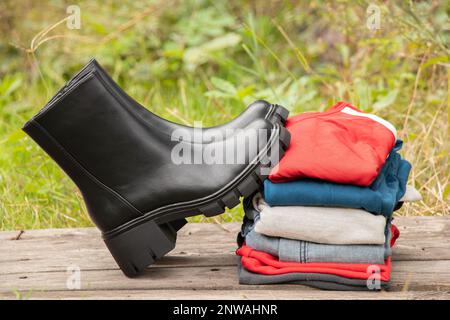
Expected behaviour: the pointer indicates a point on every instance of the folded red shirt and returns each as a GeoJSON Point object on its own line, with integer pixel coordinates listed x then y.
{"type": "Point", "coordinates": [342, 145]}
{"type": "Point", "coordinates": [264, 263]}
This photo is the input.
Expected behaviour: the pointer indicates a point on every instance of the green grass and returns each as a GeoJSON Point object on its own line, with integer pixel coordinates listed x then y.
{"type": "Point", "coordinates": [205, 61]}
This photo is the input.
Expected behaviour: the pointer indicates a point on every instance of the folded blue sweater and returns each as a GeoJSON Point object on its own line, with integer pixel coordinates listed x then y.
{"type": "Point", "coordinates": [380, 197]}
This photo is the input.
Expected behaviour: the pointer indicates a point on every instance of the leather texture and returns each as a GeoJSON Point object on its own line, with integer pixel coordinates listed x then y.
{"type": "Point", "coordinates": [119, 153]}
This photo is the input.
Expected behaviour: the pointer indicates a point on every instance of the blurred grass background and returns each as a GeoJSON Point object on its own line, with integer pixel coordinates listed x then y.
{"type": "Point", "coordinates": [206, 60]}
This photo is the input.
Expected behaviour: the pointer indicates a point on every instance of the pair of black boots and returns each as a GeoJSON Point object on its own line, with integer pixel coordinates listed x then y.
{"type": "Point", "coordinates": [141, 175]}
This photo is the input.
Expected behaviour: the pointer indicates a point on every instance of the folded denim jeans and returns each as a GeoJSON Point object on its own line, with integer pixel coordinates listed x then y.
{"type": "Point", "coordinates": [315, 280]}
{"type": "Point", "coordinates": [381, 197]}
{"type": "Point", "coordinates": [304, 251]}
{"type": "Point", "coordinates": [325, 225]}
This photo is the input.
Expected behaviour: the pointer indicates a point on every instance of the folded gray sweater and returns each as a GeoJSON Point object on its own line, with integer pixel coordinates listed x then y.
{"type": "Point", "coordinates": [325, 225]}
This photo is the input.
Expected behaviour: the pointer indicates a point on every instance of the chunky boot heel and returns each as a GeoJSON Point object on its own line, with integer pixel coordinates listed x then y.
{"type": "Point", "coordinates": [137, 185]}
{"type": "Point", "coordinates": [141, 246]}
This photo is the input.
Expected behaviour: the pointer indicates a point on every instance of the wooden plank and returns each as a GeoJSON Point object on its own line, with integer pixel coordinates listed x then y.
{"type": "Point", "coordinates": [53, 250]}
{"type": "Point", "coordinates": [422, 238]}
{"type": "Point", "coordinates": [203, 260]}
{"type": "Point", "coordinates": [261, 294]}
{"type": "Point", "coordinates": [417, 275]}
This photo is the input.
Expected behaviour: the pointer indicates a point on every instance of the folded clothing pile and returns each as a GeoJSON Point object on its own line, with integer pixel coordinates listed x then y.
{"type": "Point", "coordinates": [324, 216]}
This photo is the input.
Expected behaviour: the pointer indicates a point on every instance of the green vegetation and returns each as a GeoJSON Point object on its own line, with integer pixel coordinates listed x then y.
{"type": "Point", "coordinates": [205, 60]}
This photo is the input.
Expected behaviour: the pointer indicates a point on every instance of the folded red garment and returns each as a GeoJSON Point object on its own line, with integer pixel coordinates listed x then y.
{"type": "Point", "coordinates": [342, 145]}
{"type": "Point", "coordinates": [264, 263]}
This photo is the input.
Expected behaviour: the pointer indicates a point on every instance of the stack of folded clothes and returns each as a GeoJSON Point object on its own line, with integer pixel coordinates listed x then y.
{"type": "Point", "coordinates": [324, 216]}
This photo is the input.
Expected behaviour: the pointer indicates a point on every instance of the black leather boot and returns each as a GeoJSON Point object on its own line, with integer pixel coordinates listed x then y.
{"type": "Point", "coordinates": [127, 162]}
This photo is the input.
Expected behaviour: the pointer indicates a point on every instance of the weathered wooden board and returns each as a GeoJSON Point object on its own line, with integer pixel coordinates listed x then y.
{"type": "Point", "coordinates": [239, 294]}
{"type": "Point", "coordinates": [417, 275]}
{"type": "Point", "coordinates": [203, 265]}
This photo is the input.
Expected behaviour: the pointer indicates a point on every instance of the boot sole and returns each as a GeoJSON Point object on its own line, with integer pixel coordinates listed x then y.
{"type": "Point", "coordinates": [140, 242]}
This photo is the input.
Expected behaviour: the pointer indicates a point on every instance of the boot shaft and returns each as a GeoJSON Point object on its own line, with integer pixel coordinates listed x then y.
{"type": "Point", "coordinates": [121, 155]}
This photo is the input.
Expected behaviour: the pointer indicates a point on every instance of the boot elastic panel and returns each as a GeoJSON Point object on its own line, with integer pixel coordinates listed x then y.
{"type": "Point", "coordinates": [141, 175]}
